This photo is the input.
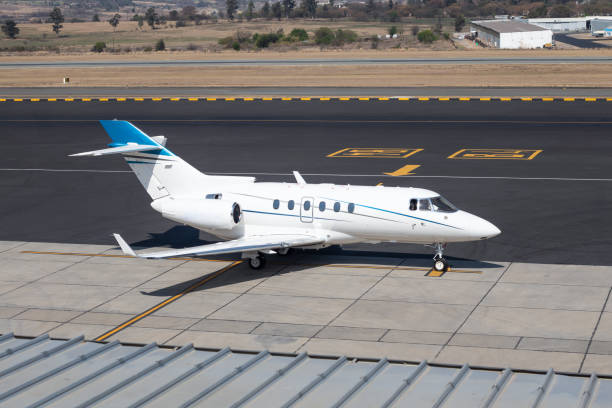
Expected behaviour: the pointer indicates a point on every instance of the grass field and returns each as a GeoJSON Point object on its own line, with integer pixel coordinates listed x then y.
{"type": "Point", "coordinates": [80, 37]}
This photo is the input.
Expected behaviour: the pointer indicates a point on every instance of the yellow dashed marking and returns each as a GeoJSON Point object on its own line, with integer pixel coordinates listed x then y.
{"type": "Point", "coordinates": [139, 99]}
{"type": "Point", "coordinates": [423, 99]}
{"type": "Point", "coordinates": [175, 99]}
{"type": "Point", "coordinates": [247, 99]}
{"type": "Point", "coordinates": [505, 99]}
{"type": "Point", "coordinates": [345, 99]}
{"type": "Point", "coordinates": [18, 100]}
{"type": "Point", "coordinates": [526, 99]}
{"type": "Point", "coordinates": [68, 99]}
{"type": "Point", "coordinates": [103, 99]}
{"type": "Point", "coordinates": [383, 99]}
{"type": "Point", "coordinates": [590, 99]}
{"type": "Point", "coordinates": [485, 99]}
{"type": "Point", "coordinates": [211, 99]}
{"type": "Point", "coordinates": [266, 99]}
{"type": "Point", "coordinates": [403, 99]}
{"type": "Point", "coordinates": [548, 99]}
{"type": "Point", "coordinates": [608, 99]}
{"type": "Point", "coordinates": [324, 99]}
{"type": "Point", "coordinates": [85, 99]}
{"type": "Point", "coordinates": [34, 100]}
{"type": "Point", "coordinates": [286, 99]}
{"type": "Point", "coordinates": [2, 100]}
{"type": "Point", "coordinates": [194, 99]}
{"type": "Point", "coordinates": [121, 99]}
{"type": "Point", "coordinates": [464, 99]}
{"type": "Point", "coordinates": [569, 99]}
{"type": "Point", "coordinates": [304, 99]}
{"type": "Point", "coordinates": [156, 99]}
{"type": "Point", "coordinates": [444, 99]}
{"type": "Point", "coordinates": [364, 99]}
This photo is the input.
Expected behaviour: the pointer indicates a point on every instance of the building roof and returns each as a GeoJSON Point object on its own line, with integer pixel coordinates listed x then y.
{"type": "Point", "coordinates": [508, 26]}
{"type": "Point", "coordinates": [60, 373]}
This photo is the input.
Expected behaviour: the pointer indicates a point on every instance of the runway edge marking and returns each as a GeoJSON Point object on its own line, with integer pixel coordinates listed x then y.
{"type": "Point", "coordinates": [166, 302]}
{"type": "Point", "coordinates": [318, 98]}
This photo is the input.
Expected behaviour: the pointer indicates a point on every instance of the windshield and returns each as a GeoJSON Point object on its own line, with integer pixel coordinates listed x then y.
{"type": "Point", "coordinates": [441, 204]}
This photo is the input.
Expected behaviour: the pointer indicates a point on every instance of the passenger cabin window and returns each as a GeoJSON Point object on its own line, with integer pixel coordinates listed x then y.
{"type": "Point", "coordinates": [276, 204]}
{"type": "Point", "coordinates": [306, 205]}
{"type": "Point", "coordinates": [291, 204]}
{"type": "Point", "coordinates": [351, 207]}
{"type": "Point", "coordinates": [413, 204]}
{"type": "Point", "coordinates": [424, 205]}
{"type": "Point", "coordinates": [322, 206]}
{"type": "Point", "coordinates": [336, 206]}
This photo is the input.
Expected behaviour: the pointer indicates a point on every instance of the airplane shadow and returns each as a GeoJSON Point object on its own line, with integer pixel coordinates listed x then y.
{"type": "Point", "coordinates": [182, 236]}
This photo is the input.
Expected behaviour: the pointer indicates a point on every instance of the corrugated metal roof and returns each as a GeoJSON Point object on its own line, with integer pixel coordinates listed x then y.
{"type": "Point", "coordinates": [58, 373]}
{"type": "Point", "coordinates": [508, 26]}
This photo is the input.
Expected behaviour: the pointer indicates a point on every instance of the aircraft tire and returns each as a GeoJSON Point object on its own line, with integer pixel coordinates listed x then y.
{"type": "Point", "coordinates": [257, 262]}
{"type": "Point", "coordinates": [440, 265]}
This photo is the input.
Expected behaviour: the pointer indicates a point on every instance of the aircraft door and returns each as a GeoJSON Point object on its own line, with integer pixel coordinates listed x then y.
{"type": "Point", "coordinates": [306, 209]}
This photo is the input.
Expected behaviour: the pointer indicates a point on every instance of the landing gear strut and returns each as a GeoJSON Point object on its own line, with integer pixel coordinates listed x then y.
{"type": "Point", "coordinates": [258, 261]}
{"type": "Point", "coordinates": [440, 263]}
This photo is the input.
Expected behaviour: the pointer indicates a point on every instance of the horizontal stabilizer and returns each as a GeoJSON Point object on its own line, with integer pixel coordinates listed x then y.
{"type": "Point", "coordinates": [246, 244]}
{"type": "Point", "coordinates": [130, 147]}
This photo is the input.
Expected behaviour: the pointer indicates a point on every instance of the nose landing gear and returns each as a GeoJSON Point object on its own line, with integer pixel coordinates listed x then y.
{"type": "Point", "coordinates": [440, 263]}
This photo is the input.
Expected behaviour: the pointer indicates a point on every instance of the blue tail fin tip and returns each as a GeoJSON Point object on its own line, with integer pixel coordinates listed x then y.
{"type": "Point", "coordinates": [123, 132]}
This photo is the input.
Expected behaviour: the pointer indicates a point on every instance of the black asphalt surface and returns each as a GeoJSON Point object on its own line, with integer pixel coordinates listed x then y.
{"type": "Point", "coordinates": [555, 208]}
{"type": "Point", "coordinates": [313, 61]}
{"type": "Point", "coordinates": [114, 92]}
{"type": "Point", "coordinates": [580, 42]}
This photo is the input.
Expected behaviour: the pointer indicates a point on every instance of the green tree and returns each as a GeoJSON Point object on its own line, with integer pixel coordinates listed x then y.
{"type": "Point", "coordinates": [459, 23]}
{"type": "Point", "coordinates": [10, 29]}
{"type": "Point", "coordinates": [277, 10]}
{"type": "Point", "coordinates": [249, 12]}
{"type": "Point", "coordinates": [140, 20]}
{"type": "Point", "coordinates": [310, 6]}
{"type": "Point", "coordinates": [57, 18]}
{"type": "Point", "coordinates": [370, 7]}
{"type": "Point", "coordinates": [560, 11]}
{"type": "Point", "coordinates": [95, 18]}
{"type": "Point", "coordinates": [114, 20]}
{"type": "Point", "coordinates": [160, 45]}
{"type": "Point", "coordinates": [392, 31]}
{"type": "Point", "coordinates": [288, 6]}
{"type": "Point", "coordinates": [151, 17]}
{"type": "Point", "coordinates": [231, 6]}
{"type": "Point", "coordinates": [265, 10]}
{"type": "Point", "coordinates": [98, 47]}
{"type": "Point", "coordinates": [427, 36]}
{"type": "Point", "coordinates": [298, 34]}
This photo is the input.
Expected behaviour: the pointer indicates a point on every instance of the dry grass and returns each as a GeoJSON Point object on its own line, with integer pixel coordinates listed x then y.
{"type": "Point", "coordinates": [560, 75]}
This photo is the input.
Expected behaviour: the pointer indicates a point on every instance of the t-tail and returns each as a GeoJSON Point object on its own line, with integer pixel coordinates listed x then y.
{"type": "Point", "coordinates": [161, 172]}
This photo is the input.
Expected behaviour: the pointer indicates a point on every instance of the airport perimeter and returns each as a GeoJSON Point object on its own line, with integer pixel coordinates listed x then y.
{"type": "Point", "coordinates": [533, 298]}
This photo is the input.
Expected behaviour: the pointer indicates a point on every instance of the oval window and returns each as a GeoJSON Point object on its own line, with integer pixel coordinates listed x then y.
{"type": "Point", "coordinates": [322, 206]}
{"type": "Point", "coordinates": [306, 205]}
{"type": "Point", "coordinates": [291, 204]}
{"type": "Point", "coordinates": [351, 207]}
{"type": "Point", "coordinates": [276, 204]}
{"type": "Point", "coordinates": [336, 206]}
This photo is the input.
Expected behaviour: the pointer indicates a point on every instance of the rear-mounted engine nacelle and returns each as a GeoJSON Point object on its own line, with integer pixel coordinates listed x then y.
{"type": "Point", "coordinates": [216, 215]}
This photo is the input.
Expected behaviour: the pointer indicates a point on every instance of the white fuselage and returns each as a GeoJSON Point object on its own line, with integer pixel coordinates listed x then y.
{"type": "Point", "coordinates": [339, 214]}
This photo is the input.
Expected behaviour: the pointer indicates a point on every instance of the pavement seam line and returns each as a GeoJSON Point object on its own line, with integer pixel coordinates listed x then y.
{"type": "Point", "coordinates": [472, 311]}
{"type": "Point", "coordinates": [166, 302]}
{"type": "Point", "coordinates": [603, 309]}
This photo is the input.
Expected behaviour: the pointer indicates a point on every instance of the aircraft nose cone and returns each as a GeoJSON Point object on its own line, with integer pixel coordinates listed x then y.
{"type": "Point", "coordinates": [488, 230]}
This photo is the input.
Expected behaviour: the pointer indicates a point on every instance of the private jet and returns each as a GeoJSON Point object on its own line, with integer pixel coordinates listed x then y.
{"type": "Point", "coordinates": [257, 219]}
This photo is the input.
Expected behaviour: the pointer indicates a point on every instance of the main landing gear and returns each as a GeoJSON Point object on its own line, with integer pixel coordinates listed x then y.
{"type": "Point", "coordinates": [258, 261]}
{"type": "Point", "coordinates": [440, 263]}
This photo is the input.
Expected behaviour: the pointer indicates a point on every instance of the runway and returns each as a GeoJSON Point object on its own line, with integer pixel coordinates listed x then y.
{"type": "Point", "coordinates": [314, 61]}
{"type": "Point", "coordinates": [552, 209]}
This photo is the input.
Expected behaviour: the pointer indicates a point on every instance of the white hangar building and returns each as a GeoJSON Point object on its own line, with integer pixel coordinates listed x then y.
{"type": "Point", "coordinates": [511, 34]}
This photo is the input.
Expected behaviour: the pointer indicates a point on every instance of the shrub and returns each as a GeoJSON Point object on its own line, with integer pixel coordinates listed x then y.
{"type": "Point", "coordinates": [374, 42]}
{"type": "Point", "coordinates": [160, 45]}
{"type": "Point", "coordinates": [427, 36]}
{"type": "Point", "coordinates": [98, 47]}
{"type": "Point", "coordinates": [236, 46]}
{"type": "Point", "coordinates": [446, 36]}
{"type": "Point", "coordinates": [180, 23]}
{"type": "Point", "coordinates": [345, 36]}
{"type": "Point", "coordinates": [392, 31]}
{"type": "Point", "coordinates": [264, 40]}
{"type": "Point", "coordinates": [226, 41]}
{"type": "Point", "coordinates": [192, 47]}
{"type": "Point", "coordinates": [298, 34]}
{"type": "Point", "coordinates": [324, 36]}
{"type": "Point", "coordinates": [148, 48]}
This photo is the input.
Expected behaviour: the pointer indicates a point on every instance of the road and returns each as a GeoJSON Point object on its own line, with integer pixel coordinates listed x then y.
{"type": "Point", "coordinates": [68, 91]}
{"type": "Point", "coordinates": [314, 61]}
{"type": "Point", "coordinates": [554, 208]}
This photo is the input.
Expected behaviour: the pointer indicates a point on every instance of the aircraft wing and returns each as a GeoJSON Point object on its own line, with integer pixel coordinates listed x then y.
{"type": "Point", "coordinates": [246, 244]}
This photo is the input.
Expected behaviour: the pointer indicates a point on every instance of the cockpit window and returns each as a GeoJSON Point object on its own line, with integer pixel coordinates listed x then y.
{"type": "Point", "coordinates": [425, 204]}
{"type": "Point", "coordinates": [441, 204]}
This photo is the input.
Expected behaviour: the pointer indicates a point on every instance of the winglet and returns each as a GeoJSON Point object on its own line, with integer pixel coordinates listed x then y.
{"type": "Point", "coordinates": [124, 245]}
{"type": "Point", "coordinates": [298, 177]}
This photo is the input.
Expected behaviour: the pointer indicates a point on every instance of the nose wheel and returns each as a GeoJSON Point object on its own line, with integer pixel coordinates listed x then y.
{"type": "Point", "coordinates": [440, 263]}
